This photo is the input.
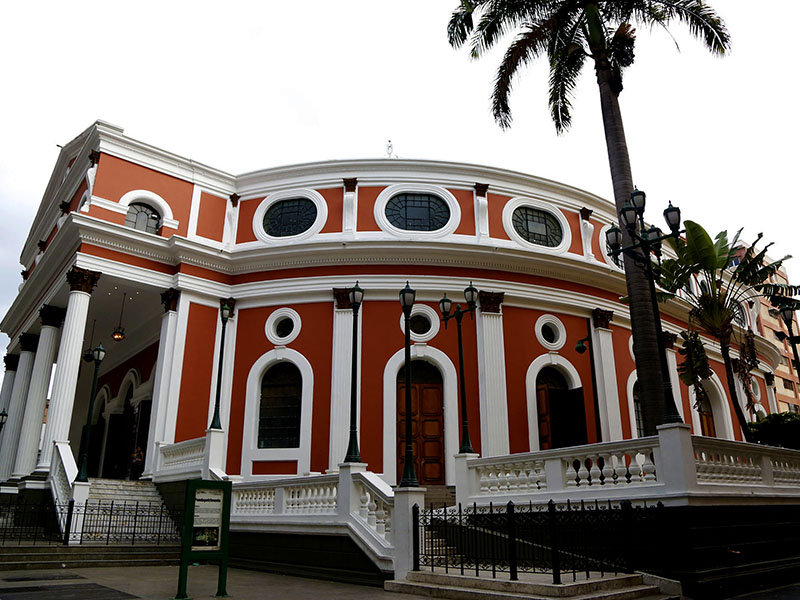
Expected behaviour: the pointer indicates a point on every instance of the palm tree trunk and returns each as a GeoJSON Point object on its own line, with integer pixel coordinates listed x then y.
{"type": "Point", "coordinates": [643, 325]}
{"type": "Point", "coordinates": [737, 408]}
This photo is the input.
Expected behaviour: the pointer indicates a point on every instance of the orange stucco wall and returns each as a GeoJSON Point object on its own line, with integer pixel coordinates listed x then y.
{"type": "Point", "coordinates": [315, 343]}
{"type": "Point", "coordinates": [574, 221]}
{"type": "Point", "coordinates": [625, 366]}
{"type": "Point", "coordinates": [116, 177]}
{"type": "Point", "coordinates": [496, 205]}
{"type": "Point", "coordinates": [198, 366]}
{"type": "Point", "coordinates": [466, 201]}
{"type": "Point", "coordinates": [244, 231]}
{"type": "Point", "coordinates": [366, 208]}
{"type": "Point", "coordinates": [334, 198]}
{"type": "Point", "coordinates": [211, 217]}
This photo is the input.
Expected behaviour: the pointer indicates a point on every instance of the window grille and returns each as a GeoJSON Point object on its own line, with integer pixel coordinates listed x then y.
{"type": "Point", "coordinates": [290, 217]}
{"type": "Point", "coordinates": [537, 226]}
{"type": "Point", "coordinates": [417, 212]}
{"type": "Point", "coordinates": [143, 217]}
{"type": "Point", "coordinates": [279, 414]}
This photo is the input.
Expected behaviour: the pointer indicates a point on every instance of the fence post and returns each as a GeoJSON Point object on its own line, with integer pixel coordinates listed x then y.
{"type": "Point", "coordinates": [68, 524]}
{"type": "Point", "coordinates": [627, 527]}
{"type": "Point", "coordinates": [415, 535]}
{"type": "Point", "coordinates": [512, 542]}
{"type": "Point", "coordinates": [555, 558]}
{"type": "Point", "coordinates": [403, 528]}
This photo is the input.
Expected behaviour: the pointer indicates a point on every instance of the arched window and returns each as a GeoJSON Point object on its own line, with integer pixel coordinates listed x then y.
{"type": "Point", "coordinates": [279, 410]}
{"type": "Point", "coordinates": [707, 427]}
{"type": "Point", "coordinates": [637, 410]}
{"type": "Point", "coordinates": [143, 217]}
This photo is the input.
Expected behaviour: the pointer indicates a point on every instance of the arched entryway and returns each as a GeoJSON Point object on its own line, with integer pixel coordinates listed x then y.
{"type": "Point", "coordinates": [560, 411]}
{"type": "Point", "coordinates": [427, 426]}
{"type": "Point", "coordinates": [128, 428]}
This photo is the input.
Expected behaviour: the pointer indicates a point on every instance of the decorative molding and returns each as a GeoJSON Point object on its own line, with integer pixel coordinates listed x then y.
{"type": "Point", "coordinates": [25, 273]}
{"type": "Point", "coordinates": [234, 198]}
{"type": "Point", "coordinates": [264, 205]}
{"type": "Point", "coordinates": [350, 184]}
{"type": "Point", "coordinates": [341, 298]}
{"type": "Point", "coordinates": [563, 366]}
{"type": "Point", "coordinates": [151, 198]}
{"type": "Point", "coordinates": [170, 298]}
{"type": "Point", "coordinates": [769, 379]}
{"type": "Point", "coordinates": [602, 318]}
{"type": "Point", "coordinates": [42, 245]}
{"type": "Point", "coordinates": [555, 323]}
{"type": "Point", "coordinates": [52, 316]}
{"type": "Point", "coordinates": [64, 207]}
{"type": "Point", "coordinates": [231, 302]}
{"type": "Point", "coordinates": [433, 319]}
{"type": "Point", "coordinates": [669, 339]}
{"type": "Point", "coordinates": [379, 211]}
{"type": "Point", "coordinates": [275, 318]}
{"type": "Point", "coordinates": [94, 158]}
{"type": "Point", "coordinates": [28, 342]}
{"type": "Point", "coordinates": [82, 280]}
{"type": "Point", "coordinates": [545, 206]}
{"type": "Point", "coordinates": [585, 213]}
{"type": "Point", "coordinates": [490, 302]}
{"type": "Point", "coordinates": [481, 189]}
{"type": "Point", "coordinates": [12, 361]}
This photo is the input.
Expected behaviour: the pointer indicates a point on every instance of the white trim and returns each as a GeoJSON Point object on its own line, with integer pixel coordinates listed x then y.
{"type": "Point", "coordinates": [719, 408]}
{"type": "Point", "coordinates": [608, 260]}
{"type": "Point", "coordinates": [148, 197]}
{"type": "Point", "coordinates": [194, 213]}
{"type": "Point", "coordinates": [266, 203]}
{"type": "Point", "coordinates": [561, 338]}
{"type": "Point", "coordinates": [563, 366]}
{"type": "Point", "coordinates": [250, 450]}
{"type": "Point", "coordinates": [630, 347]}
{"type": "Point", "coordinates": [450, 407]}
{"type": "Point", "coordinates": [515, 203]}
{"type": "Point", "coordinates": [433, 317]}
{"type": "Point", "coordinates": [632, 378]}
{"type": "Point", "coordinates": [379, 210]}
{"type": "Point", "coordinates": [272, 321]}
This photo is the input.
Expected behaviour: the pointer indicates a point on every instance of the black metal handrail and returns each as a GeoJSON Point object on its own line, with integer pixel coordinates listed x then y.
{"type": "Point", "coordinates": [581, 539]}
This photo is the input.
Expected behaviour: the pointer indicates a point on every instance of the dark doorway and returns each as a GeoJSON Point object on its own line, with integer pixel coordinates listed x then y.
{"type": "Point", "coordinates": [560, 411]}
{"type": "Point", "coordinates": [427, 424]}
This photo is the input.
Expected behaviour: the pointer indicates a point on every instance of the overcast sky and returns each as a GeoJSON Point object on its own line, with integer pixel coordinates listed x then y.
{"type": "Point", "coordinates": [248, 85]}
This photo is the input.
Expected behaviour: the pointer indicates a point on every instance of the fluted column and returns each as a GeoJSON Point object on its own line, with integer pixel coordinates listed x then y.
{"type": "Point", "coordinates": [492, 375]}
{"type": "Point", "coordinates": [340, 377]}
{"type": "Point", "coordinates": [161, 396]}
{"type": "Point", "coordinates": [11, 361]}
{"type": "Point", "coordinates": [52, 317]}
{"type": "Point", "coordinates": [606, 376]}
{"type": "Point", "coordinates": [81, 283]}
{"type": "Point", "coordinates": [16, 404]}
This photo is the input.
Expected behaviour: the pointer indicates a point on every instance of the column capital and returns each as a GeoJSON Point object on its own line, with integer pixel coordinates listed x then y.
{"type": "Point", "coordinates": [28, 342]}
{"type": "Point", "coordinates": [490, 301]}
{"type": "Point", "coordinates": [341, 298]}
{"type": "Point", "coordinates": [169, 298]}
{"type": "Point", "coordinates": [234, 198]}
{"type": "Point", "coordinates": [82, 280]}
{"type": "Point", "coordinates": [769, 378]}
{"type": "Point", "coordinates": [481, 189]}
{"type": "Point", "coordinates": [586, 213]}
{"type": "Point", "coordinates": [669, 339]}
{"type": "Point", "coordinates": [52, 316]}
{"type": "Point", "coordinates": [11, 361]}
{"type": "Point", "coordinates": [601, 319]}
{"type": "Point", "coordinates": [350, 184]}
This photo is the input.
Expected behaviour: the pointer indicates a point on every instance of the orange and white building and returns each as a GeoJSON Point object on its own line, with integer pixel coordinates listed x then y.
{"type": "Point", "coordinates": [131, 236]}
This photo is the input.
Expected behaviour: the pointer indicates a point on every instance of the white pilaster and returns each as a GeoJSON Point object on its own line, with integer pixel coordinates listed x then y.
{"type": "Point", "coordinates": [587, 232]}
{"type": "Point", "coordinates": [771, 399]}
{"type": "Point", "coordinates": [33, 418]}
{"type": "Point", "coordinates": [492, 384]}
{"type": "Point", "coordinates": [175, 370]}
{"type": "Point", "coordinates": [59, 415]}
{"type": "Point", "coordinates": [16, 406]}
{"type": "Point", "coordinates": [340, 385]}
{"type": "Point", "coordinates": [481, 211]}
{"type": "Point", "coordinates": [349, 213]}
{"type": "Point", "coordinates": [672, 367]}
{"type": "Point", "coordinates": [161, 387]}
{"type": "Point", "coordinates": [607, 389]}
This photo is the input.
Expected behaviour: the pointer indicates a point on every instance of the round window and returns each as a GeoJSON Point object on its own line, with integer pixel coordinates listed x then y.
{"type": "Point", "coordinates": [284, 327]}
{"type": "Point", "coordinates": [550, 333]}
{"type": "Point", "coordinates": [417, 212]}
{"type": "Point", "coordinates": [419, 324]}
{"type": "Point", "coordinates": [537, 226]}
{"type": "Point", "coordinates": [290, 217]}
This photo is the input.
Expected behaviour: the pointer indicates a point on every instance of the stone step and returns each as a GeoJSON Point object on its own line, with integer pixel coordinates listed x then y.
{"type": "Point", "coordinates": [73, 557]}
{"type": "Point", "coordinates": [639, 592]}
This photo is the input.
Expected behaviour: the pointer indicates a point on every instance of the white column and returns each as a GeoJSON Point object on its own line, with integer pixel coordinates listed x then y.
{"type": "Point", "coordinates": [59, 416]}
{"type": "Point", "coordinates": [350, 209]}
{"type": "Point", "coordinates": [11, 361]}
{"type": "Point", "coordinates": [771, 399]}
{"type": "Point", "coordinates": [607, 389]}
{"type": "Point", "coordinates": [161, 384]}
{"type": "Point", "coordinates": [492, 379]}
{"type": "Point", "coordinates": [481, 210]}
{"type": "Point", "coordinates": [672, 367]}
{"type": "Point", "coordinates": [587, 233]}
{"type": "Point", "coordinates": [340, 381]}
{"type": "Point", "coordinates": [37, 393]}
{"type": "Point", "coordinates": [16, 405]}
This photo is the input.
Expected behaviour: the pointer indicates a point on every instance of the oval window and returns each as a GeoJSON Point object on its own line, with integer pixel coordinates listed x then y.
{"type": "Point", "coordinates": [290, 217]}
{"type": "Point", "coordinates": [537, 226]}
{"type": "Point", "coordinates": [417, 212]}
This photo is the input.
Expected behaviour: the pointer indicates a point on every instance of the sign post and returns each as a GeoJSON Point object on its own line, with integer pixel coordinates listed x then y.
{"type": "Point", "coordinates": [205, 530]}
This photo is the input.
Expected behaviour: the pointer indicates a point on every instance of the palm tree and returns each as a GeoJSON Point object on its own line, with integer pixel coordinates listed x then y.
{"type": "Point", "coordinates": [717, 292]}
{"type": "Point", "coordinates": [567, 33]}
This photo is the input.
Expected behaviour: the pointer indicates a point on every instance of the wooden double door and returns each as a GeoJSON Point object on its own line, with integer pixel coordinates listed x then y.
{"type": "Point", "coordinates": [561, 412]}
{"type": "Point", "coordinates": [427, 423]}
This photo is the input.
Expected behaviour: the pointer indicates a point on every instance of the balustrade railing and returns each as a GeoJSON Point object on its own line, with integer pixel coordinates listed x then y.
{"type": "Point", "coordinates": [183, 460]}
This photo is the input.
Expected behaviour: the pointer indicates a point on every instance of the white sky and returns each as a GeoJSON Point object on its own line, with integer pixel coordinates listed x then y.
{"type": "Point", "coordinates": [249, 85]}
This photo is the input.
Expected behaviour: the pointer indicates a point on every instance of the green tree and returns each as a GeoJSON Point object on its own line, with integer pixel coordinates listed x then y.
{"type": "Point", "coordinates": [717, 292]}
{"type": "Point", "coordinates": [567, 33]}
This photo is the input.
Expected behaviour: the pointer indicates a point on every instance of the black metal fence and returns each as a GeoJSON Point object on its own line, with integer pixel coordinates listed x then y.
{"type": "Point", "coordinates": [562, 539]}
{"type": "Point", "coordinates": [88, 522]}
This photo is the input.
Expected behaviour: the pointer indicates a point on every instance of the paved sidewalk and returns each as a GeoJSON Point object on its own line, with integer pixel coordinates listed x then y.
{"type": "Point", "coordinates": [161, 583]}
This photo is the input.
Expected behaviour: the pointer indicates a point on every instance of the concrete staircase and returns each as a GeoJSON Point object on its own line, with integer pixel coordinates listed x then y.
{"type": "Point", "coordinates": [440, 495]}
{"type": "Point", "coordinates": [120, 490]}
{"type": "Point", "coordinates": [461, 587]}
{"type": "Point", "coordinates": [55, 556]}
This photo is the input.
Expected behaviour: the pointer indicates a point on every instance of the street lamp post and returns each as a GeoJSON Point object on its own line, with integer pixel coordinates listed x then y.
{"type": "Point", "coordinates": [98, 354]}
{"type": "Point", "coordinates": [649, 242]}
{"type": "Point", "coordinates": [445, 305]}
{"type": "Point", "coordinates": [409, 478]}
{"type": "Point", "coordinates": [787, 313]}
{"type": "Point", "coordinates": [225, 312]}
{"type": "Point", "coordinates": [356, 295]}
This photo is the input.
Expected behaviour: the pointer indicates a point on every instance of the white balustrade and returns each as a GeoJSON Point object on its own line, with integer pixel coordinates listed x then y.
{"type": "Point", "coordinates": [184, 460]}
{"type": "Point", "coordinates": [376, 504]}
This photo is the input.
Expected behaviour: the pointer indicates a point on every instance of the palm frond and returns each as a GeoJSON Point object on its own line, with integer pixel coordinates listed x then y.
{"type": "Point", "coordinates": [460, 25]}
{"type": "Point", "coordinates": [497, 18]}
{"type": "Point", "coordinates": [567, 56]}
{"type": "Point", "coordinates": [703, 21]}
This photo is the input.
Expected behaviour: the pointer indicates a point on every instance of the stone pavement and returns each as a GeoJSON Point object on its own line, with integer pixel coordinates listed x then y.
{"type": "Point", "coordinates": [790, 592]}
{"type": "Point", "coordinates": [160, 583]}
